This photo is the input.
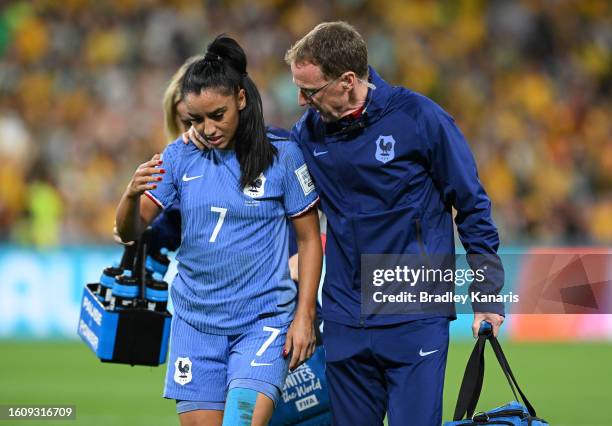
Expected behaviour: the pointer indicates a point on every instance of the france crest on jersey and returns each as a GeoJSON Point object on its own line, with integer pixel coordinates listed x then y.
{"type": "Point", "coordinates": [233, 265]}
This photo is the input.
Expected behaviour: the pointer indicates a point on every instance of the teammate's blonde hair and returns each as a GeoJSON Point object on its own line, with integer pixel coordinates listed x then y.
{"type": "Point", "coordinates": [172, 97]}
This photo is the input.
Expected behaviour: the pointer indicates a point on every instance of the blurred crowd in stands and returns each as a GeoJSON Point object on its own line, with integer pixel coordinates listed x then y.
{"type": "Point", "coordinates": [528, 81]}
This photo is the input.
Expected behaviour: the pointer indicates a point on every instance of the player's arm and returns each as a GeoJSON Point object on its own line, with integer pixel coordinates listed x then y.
{"type": "Point", "coordinates": [301, 340]}
{"type": "Point", "coordinates": [293, 254]}
{"type": "Point", "coordinates": [135, 212]}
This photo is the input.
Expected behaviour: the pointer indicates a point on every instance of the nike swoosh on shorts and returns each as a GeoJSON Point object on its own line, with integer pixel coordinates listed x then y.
{"type": "Point", "coordinates": [258, 364]}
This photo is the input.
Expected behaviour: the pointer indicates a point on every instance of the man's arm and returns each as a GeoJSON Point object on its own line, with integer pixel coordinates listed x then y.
{"type": "Point", "coordinates": [454, 170]}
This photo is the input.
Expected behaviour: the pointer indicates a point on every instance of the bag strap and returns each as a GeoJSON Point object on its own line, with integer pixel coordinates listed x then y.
{"type": "Point", "coordinates": [471, 385]}
{"type": "Point", "coordinates": [503, 361]}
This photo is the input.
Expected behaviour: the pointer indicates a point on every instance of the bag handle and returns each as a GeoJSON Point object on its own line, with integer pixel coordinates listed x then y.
{"type": "Point", "coordinates": [471, 385]}
{"type": "Point", "coordinates": [501, 358]}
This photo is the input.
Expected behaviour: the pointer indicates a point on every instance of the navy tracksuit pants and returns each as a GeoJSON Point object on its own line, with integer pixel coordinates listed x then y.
{"type": "Point", "coordinates": [395, 369]}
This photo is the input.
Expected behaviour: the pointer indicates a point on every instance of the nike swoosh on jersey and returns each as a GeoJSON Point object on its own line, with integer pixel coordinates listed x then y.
{"type": "Point", "coordinates": [317, 153]}
{"type": "Point", "coordinates": [187, 179]}
{"type": "Point", "coordinates": [258, 364]}
{"type": "Point", "coordinates": [421, 353]}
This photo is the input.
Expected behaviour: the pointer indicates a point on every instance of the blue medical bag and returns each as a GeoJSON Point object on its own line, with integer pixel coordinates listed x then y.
{"type": "Point", "coordinates": [511, 414]}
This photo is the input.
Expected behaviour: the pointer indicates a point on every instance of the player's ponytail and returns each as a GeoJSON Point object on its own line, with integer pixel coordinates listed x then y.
{"type": "Point", "coordinates": [225, 67]}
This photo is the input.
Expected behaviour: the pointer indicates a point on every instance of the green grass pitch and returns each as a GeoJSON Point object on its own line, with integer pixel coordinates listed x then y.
{"type": "Point", "coordinates": [569, 384]}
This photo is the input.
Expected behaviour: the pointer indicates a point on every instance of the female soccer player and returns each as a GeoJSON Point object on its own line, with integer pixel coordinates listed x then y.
{"type": "Point", "coordinates": [236, 319]}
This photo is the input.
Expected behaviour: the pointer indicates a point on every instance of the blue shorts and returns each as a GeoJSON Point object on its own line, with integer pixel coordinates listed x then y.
{"type": "Point", "coordinates": [395, 369]}
{"type": "Point", "coordinates": [202, 367]}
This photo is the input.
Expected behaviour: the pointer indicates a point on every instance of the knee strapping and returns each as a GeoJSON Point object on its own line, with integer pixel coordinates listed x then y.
{"type": "Point", "coordinates": [239, 407]}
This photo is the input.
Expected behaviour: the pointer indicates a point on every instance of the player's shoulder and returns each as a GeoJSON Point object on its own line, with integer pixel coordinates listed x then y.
{"type": "Point", "coordinates": [177, 155]}
{"type": "Point", "coordinates": [287, 148]}
{"type": "Point", "coordinates": [178, 149]}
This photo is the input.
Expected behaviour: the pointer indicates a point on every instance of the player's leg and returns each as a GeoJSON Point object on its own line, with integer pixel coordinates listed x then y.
{"type": "Point", "coordinates": [357, 390]}
{"type": "Point", "coordinates": [196, 374]}
{"type": "Point", "coordinates": [198, 416]}
{"type": "Point", "coordinates": [247, 407]}
{"type": "Point", "coordinates": [264, 408]}
{"type": "Point", "coordinates": [414, 356]}
{"type": "Point", "coordinates": [256, 373]}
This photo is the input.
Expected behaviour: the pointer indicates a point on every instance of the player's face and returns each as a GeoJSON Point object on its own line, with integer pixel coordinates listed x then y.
{"type": "Point", "coordinates": [183, 121]}
{"type": "Point", "coordinates": [215, 115]}
{"type": "Point", "coordinates": [315, 90]}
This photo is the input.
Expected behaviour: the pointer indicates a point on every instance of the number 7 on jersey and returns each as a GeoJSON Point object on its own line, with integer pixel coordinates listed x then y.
{"type": "Point", "coordinates": [219, 224]}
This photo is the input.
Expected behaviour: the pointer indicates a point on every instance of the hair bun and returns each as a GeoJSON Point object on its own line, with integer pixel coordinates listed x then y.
{"type": "Point", "coordinates": [212, 57]}
{"type": "Point", "coordinates": [226, 49]}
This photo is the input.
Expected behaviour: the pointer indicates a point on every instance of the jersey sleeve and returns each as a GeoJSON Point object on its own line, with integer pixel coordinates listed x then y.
{"type": "Point", "coordinates": [299, 189]}
{"type": "Point", "coordinates": [166, 192]}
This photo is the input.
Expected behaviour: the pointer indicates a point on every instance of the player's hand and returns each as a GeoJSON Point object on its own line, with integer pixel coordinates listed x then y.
{"type": "Point", "coordinates": [494, 319]}
{"type": "Point", "coordinates": [143, 179]}
{"type": "Point", "coordinates": [301, 341]}
{"type": "Point", "coordinates": [193, 136]}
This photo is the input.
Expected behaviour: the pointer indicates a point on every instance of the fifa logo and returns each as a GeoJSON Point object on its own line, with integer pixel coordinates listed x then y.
{"type": "Point", "coordinates": [385, 149]}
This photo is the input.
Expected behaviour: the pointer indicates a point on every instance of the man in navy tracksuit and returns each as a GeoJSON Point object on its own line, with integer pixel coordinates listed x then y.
{"type": "Point", "coordinates": [389, 165]}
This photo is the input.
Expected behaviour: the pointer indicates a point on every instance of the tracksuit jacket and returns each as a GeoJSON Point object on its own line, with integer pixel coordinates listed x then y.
{"type": "Point", "coordinates": [387, 182]}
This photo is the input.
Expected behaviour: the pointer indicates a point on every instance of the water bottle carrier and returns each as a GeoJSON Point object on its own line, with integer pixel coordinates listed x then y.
{"type": "Point", "coordinates": [134, 335]}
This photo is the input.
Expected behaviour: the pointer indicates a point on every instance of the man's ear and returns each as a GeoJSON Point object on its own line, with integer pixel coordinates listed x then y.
{"type": "Point", "coordinates": [348, 80]}
{"type": "Point", "coordinates": [241, 99]}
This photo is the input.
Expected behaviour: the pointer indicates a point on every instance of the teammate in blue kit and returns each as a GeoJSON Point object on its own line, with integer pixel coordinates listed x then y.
{"type": "Point", "coordinates": [236, 318]}
{"type": "Point", "coordinates": [389, 165]}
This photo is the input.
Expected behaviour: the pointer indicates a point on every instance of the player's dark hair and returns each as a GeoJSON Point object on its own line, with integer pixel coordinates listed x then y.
{"type": "Point", "coordinates": [224, 68]}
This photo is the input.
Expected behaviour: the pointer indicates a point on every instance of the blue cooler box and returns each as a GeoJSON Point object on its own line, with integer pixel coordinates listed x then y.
{"type": "Point", "coordinates": [135, 336]}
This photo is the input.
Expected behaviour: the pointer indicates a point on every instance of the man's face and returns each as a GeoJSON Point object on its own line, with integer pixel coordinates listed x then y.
{"type": "Point", "coordinates": [315, 90]}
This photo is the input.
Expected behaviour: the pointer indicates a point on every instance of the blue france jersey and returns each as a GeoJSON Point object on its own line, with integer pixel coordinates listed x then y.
{"type": "Point", "coordinates": [233, 265]}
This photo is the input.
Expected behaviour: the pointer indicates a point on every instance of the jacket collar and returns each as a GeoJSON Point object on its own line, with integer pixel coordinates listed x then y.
{"type": "Point", "coordinates": [378, 98]}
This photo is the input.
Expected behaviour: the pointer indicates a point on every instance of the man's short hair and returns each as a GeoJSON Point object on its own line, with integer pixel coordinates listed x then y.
{"type": "Point", "coordinates": [336, 47]}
